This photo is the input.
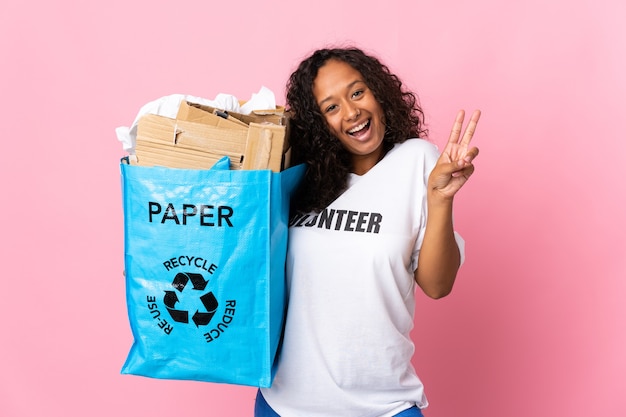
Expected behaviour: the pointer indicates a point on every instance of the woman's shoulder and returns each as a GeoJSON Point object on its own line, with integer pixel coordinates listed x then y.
{"type": "Point", "coordinates": [417, 148]}
{"type": "Point", "coordinates": [418, 143]}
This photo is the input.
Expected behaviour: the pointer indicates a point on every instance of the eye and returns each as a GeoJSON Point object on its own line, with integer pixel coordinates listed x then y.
{"type": "Point", "coordinates": [330, 108]}
{"type": "Point", "coordinates": [358, 93]}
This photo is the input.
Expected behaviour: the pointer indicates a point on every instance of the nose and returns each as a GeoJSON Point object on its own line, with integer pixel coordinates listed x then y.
{"type": "Point", "coordinates": [351, 111]}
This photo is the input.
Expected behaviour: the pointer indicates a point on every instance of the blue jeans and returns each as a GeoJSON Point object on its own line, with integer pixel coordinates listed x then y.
{"type": "Point", "coordinates": [262, 409]}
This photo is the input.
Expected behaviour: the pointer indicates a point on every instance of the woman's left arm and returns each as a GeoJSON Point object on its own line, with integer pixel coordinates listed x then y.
{"type": "Point", "coordinates": [439, 257]}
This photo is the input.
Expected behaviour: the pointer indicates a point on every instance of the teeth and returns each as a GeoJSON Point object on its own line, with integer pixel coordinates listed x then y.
{"type": "Point", "coordinates": [357, 128]}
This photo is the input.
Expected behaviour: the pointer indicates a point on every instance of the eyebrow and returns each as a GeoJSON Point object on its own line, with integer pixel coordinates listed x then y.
{"type": "Point", "coordinates": [348, 87]}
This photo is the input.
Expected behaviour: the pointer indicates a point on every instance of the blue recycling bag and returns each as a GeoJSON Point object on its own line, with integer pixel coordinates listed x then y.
{"type": "Point", "coordinates": [204, 264]}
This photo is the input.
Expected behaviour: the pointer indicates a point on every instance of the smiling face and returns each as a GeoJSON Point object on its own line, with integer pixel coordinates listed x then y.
{"type": "Point", "coordinates": [352, 113]}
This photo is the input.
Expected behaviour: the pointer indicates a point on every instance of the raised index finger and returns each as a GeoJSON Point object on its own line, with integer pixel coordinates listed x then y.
{"type": "Point", "coordinates": [455, 134]}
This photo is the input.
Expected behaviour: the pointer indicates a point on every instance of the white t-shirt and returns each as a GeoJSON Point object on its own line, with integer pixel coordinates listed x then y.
{"type": "Point", "coordinates": [347, 349]}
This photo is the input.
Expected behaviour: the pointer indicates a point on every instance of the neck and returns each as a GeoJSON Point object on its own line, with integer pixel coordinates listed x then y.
{"type": "Point", "coordinates": [361, 164]}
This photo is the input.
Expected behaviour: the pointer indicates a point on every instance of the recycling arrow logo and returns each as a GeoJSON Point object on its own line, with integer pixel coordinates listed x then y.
{"type": "Point", "coordinates": [208, 300]}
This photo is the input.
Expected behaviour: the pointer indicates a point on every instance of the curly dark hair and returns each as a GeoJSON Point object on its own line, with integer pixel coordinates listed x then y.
{"type": "Point", "coordinates": [328, 163]}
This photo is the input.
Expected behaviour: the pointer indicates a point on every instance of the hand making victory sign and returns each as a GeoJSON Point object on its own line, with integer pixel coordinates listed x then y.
{"type": "Point", "coordinates": [454, 166]}
{"type": "Point", "coordinates": [439, 257]}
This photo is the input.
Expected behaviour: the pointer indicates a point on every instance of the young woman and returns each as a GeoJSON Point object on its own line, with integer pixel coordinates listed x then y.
{"type": "Point", "coordinates": [372, 219]}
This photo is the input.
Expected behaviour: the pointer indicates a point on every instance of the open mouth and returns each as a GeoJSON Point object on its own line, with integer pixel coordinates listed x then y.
{"type": "Point", "coordinates": [360, 129]}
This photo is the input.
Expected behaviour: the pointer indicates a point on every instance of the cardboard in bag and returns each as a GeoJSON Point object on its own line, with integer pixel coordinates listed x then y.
{"type": "Point", "coordinates": [199, 136]}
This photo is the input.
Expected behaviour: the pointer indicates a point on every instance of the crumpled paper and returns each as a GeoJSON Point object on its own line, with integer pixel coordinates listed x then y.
{"type": "Point", "coordinates": [167, 106]}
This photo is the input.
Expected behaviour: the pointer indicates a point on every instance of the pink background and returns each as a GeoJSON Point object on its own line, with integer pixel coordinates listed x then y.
{"type": "Point", "coordinates": [536, 324]}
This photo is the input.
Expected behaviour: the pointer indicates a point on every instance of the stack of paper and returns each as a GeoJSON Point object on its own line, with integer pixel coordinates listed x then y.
{"type": "Point", "coordinates": [201, 135]}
